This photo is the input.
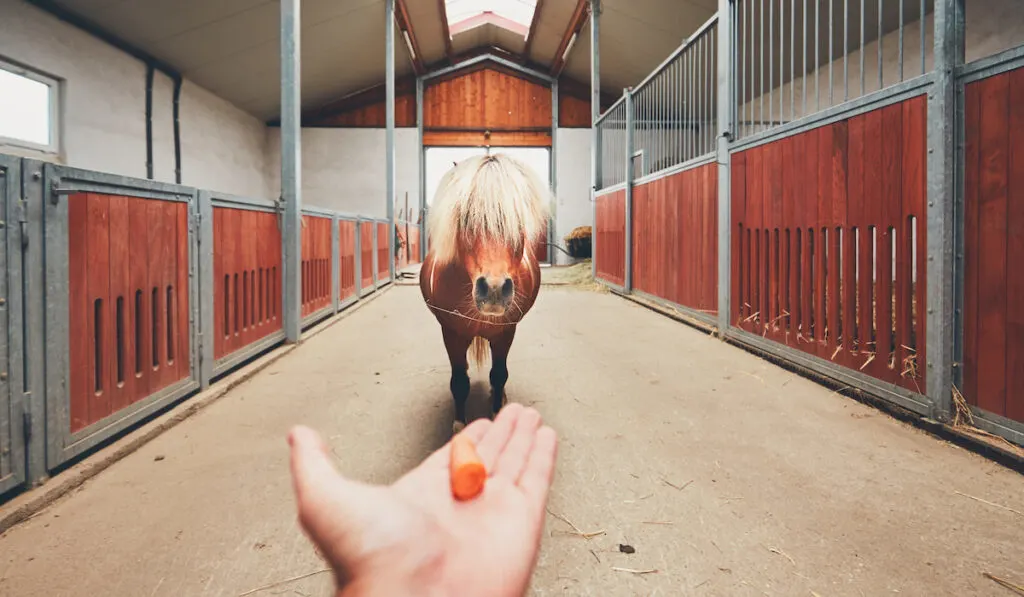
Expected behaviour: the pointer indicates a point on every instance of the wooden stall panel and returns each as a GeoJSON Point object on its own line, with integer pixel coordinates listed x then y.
{"type": "Point", "coordinates": [383, 238]}
{"type": "Point", "coordinates": [128, 301]}
{"type": "Point", "coordinates": [316, 264]}
{"type": "Point", "coordinates": [366, 253]}
{"type": "Point", "coordinates": [610, 259]}
{"type": "Point", "coordinates": [675, 240]}
{"type": "Point", "coordinates": [829, 242]}
{"type": "Point", "coordinates": [993, 374]}
{"type": "Point", "coordinates": [347, 251]}
{"type": "Point", "coordinates": [247, 278]}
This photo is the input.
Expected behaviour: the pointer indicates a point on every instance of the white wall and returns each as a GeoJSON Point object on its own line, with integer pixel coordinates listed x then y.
{"type": "Point", "coordinates": [103, 117]}
{"type": "Point", "coordinates": [572, 159]}
{"type": "Point", "coordinates": [343, 169]}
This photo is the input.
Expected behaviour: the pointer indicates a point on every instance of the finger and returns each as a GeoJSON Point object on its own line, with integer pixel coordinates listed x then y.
{"type": "Point", "coordinates": [311, 468]}
{"type": "Point", "coordinates": [475, 431]}
{"type": "Point", "coordinates": [513, 458]}
{"type": "Point", "coordinates": [493, 443]}
{"type": "Point", "coordinates": [536, 478]}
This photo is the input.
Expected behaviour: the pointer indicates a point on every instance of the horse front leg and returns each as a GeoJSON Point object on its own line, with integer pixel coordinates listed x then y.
{"type": "Point", "coordinates": [457, 347]}
{"type": "Point", "coordinates": [500, 345]}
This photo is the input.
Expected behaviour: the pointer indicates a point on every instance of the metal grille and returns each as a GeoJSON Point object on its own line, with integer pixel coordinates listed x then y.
{"type": "Point", "coordinates": [611, 135]}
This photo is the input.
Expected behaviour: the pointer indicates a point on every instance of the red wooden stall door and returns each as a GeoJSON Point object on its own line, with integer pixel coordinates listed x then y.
{"type": "Point", "coordinates": [610, 256]}
{"type": "Point", "coordinates": [128, 301]}
{"type": "Point", "coordinates": [829, 242]}
{"type": "Point", "coordinates": [993, 374]}
{"type": "Point", "coordinates": [366, 252]}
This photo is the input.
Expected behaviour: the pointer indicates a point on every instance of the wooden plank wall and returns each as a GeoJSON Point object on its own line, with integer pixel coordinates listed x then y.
{"type": "Point", "coordinates": [383, 238]}
{"type": "Point", "coordinates": [247, 278]}
{"type": "Point", "coordinates": [366, 254]}
{"type": "Point", "coordinates": [610, 259]}
{"type": "Point", "coordinates": [128, 301]}
{"type": "Point", "coordinates": [675, 238]}
{"type": "Point", "coordinates": [993, 374]}
{"type": "Point", "coordinates": [824, 253]}
{"type": "Point", "coordinates": [316, 264]}
{"type": "Point", "coordinates": [347, 259]}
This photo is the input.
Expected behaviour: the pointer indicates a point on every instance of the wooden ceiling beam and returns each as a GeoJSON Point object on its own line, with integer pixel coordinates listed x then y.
{"type": "Point", "coordinates": [448, 52]}
{"type": "Point", "coordinates": [579, 17]}
{"type": "Point", "coordinates": [530, 34]}
{"type": "Point", "coordinates": [405, 25]}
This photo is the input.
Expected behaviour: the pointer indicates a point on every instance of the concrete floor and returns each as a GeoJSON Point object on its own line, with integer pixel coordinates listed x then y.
{"type": "Point", "coordinates": [783, 487]}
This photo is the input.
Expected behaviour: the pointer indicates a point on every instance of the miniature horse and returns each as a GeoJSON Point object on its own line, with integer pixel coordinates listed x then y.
{"type": "Point", "coordinates": [481, 275]}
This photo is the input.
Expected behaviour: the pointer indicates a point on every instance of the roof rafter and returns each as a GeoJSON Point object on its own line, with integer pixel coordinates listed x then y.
{"type": "Point", "coordinates": [405, 25]}
{"type": "Point", "coordinates": [448, 52]}
{"type": "Point", "coordinates": [579, 17]}
{"type": "Point", "coordinates": [533, 29]}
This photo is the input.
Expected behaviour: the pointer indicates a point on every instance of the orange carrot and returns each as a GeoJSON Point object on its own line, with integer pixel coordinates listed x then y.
{"type": "Point", "coordinates": [467, 471]}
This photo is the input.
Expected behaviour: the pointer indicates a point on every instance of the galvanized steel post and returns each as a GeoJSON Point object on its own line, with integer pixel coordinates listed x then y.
{"type": "Point", "coordinates": [389, 131]}
{"type": "Point", "coordinates": [422, 153]}
{"type": "Point", "coordinates": [726, 101]}
{"type": "Point", "coordinates": [595, 133]}
{"type": "Point", "coordinates": [553, 169]}
{"type": "Point", "coordinates": [942, 110]}
{"type": "Point", "coordinates": [628, 274]}
{"type": "Point", "coordinates": [291, 169]}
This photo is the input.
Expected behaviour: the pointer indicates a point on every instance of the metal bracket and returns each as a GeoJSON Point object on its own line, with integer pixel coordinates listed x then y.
{"type": "Point", "coordinates": [23, 223]}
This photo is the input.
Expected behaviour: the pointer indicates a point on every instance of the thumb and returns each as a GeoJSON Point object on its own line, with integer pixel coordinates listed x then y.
{"type": "Point", "coordinates": [331, 508]}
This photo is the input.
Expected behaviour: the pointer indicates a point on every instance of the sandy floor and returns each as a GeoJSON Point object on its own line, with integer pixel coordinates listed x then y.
{"type": "Point", "coordinates": [727, 475]}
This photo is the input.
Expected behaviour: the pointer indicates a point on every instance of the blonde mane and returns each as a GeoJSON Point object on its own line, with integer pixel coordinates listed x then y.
{"type": "Point", "coordinates": [495, 197]}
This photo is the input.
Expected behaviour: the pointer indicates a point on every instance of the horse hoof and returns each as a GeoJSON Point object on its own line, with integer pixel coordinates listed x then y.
{"type": "Point", "coordinates": [457, 426]}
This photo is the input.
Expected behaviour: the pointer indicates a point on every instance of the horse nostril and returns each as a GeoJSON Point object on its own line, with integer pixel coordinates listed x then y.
{"type": "Point", "coordinates": [507, 288]}
{"type": "Point", "coordinates": [482, 289]}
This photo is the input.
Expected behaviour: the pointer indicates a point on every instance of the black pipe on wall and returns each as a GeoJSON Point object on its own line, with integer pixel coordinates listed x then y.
{"type": "Point", "coordinates": [150, 71]}
{"type": "Point", "coordinates": [177, 130]}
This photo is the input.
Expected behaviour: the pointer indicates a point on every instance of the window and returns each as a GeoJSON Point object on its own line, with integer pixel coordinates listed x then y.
{"type": "Point", "coordinates": [28, 108]}
{"type": "Point", "coordinates": [513, 15]}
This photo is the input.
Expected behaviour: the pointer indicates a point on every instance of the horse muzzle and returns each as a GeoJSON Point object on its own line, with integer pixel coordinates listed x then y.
{"type": "Point", "coordinates": [493, 294]}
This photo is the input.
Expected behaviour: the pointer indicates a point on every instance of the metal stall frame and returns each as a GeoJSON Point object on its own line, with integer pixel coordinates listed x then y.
{"type": "Point", "coordinates": [343, 304]}
{"type": "Point", "coordinates": [373, 236]}
{"type": "Point", "coordinates": [379, 283]}
{"type": "Point", "coordinates": [595, 132]}
{"type": "Point", "coordinates": [324, 312]}
{"type": "Point", "coordinates": [209, 366]}
{"type": "Point", "coordinates": [965, 74]}
{"type": "Point", "coordinates": [15, 413]}
{"type": "Point", "coordinates": [58, 183]}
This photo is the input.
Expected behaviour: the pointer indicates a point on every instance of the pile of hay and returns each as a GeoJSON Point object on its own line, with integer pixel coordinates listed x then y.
{"type": "Point", "coordinates": [579, 242]}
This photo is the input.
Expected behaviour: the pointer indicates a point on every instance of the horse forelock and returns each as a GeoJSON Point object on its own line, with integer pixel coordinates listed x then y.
{"type": "Point", "coordinates": [494, 199]}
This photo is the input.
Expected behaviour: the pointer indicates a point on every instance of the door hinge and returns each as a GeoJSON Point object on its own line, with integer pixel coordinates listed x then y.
{"type": "Point", "coordinates": [23, 222]}
{"type": "Point", "coordinates": [26, 423]}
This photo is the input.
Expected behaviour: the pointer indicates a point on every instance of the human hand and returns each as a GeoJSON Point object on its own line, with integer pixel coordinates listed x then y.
{"type": "Point", "coordinates": [413, 537]}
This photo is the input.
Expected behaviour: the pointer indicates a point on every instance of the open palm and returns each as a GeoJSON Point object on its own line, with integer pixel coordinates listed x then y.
{"type": "Point", "coordinates": [413, 537]}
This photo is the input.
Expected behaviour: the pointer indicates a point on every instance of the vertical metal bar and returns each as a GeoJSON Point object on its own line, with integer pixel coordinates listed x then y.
{"type": "Point", "coordinates": [677, 113]}
{"type": "Point", "coordinates": [726, 96]}
{"type": "Point", "coordinates": [291, 169]}
{"type": "Point", "coordinates": [942, 112]}
{"type": "Point", "coordinates": [880, 35]}
{"type": "Point", "coordinates": [771, 62]}
{"type": "Point", "coordinates": [900, 58]}
{"type": "Point", "coordinates": [831, 51]}
{"type": "Point", "coordinates": [150, 71]}
{"type": "Point", "coordinates": [595, 113]}
{"type": "Point", "coordinates": [422, 154]}
{"type": "Point", "coordinates": [792, 59]}
{"type": "Point", "coordinates": [741, 130]}
{"type": "Point", "coordinates": [846, 50]}
{"type": "Point", "coordinates": [803, 79]}
{"type": "Point", "coordinates": [699, 91]}
{"type": "Point", "coordinates": [760, 116]}
{"type": "Point", "coordinates": [817, 51]}
{"type": "Point", "coordinates": [629, 192]}
{"type": "Point", "coordinates": [389, 128]}
{"type": "Point", "coordinates": [553, 156]}
{"type": "Point", "coordinates": [782, 59]}
{"type": "Point", "coordinates": [862, 52]}
{"type": "Point", "coordinates": [922, 21]}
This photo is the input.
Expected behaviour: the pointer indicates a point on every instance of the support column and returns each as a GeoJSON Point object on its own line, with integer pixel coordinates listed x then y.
{"type": "Point", "coordinates": [595, 113]}
{"type": "Point", "coordinates": [726, 45]}
{"type": "Point", "coordinates": [628, 165]}
{"type": "Point", "coordinates": [291, 170]}
{"type": "Point", "coordinates": [422, 153]}
{"type": "Point", "coordinates": [552, 222]}
{"type": "Point", "coordinates": [389, 131]}
{"type": "Point", "coordinates": [942, 198]}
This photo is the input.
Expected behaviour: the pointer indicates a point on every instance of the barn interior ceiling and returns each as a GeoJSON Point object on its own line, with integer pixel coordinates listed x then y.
{"type": "Point", "coordinates": [231, 47]}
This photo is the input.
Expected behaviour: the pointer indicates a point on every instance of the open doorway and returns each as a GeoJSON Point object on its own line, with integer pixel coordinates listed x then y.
{"type": "Point", "coordinates": [439, 160]}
